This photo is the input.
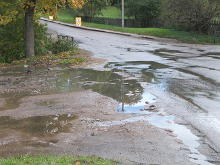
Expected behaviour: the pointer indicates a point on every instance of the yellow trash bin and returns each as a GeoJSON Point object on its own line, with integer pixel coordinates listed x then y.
{"type": "Point", "coordinates": [51, 18]}
{"type": "Point", "coordinates": [78, 21]}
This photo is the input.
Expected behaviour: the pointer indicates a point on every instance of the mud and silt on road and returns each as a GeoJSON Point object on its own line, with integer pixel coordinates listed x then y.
{"type": "Point", "coordinates": [74, 111]}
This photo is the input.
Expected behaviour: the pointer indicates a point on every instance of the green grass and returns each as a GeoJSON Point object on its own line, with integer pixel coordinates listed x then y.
{"type": "Point", "coordinates": [188, 37]}
{"type": "Point", "coordinates": [110, 12]}
{"type": "Point", "coordinates": [55, 160]}
{"type": "Point", "coordinates": [66, 16]}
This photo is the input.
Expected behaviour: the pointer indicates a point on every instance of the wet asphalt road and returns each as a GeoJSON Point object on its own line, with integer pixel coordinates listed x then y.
{"type": "Point", "coordinates": [186, 78]}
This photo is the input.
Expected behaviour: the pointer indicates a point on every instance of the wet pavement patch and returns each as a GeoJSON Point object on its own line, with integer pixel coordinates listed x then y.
{"type": "Point", "coordinates": [166, 122]}
{"type": "Point", "coordinates": [11, 102]}
{"type": "Point", "coordinates": [47, 103]}
{"type": "Point", "coordinates": [170, 54]}
{"type": "Point", "coordinates": [39, 126]}
{"type": "Point", "coordinates": [201, 50]}
{"type": "Point", "coordinates": [12, 71]}
{"type": "Point", "coordinates": [212, 53]}
{"type": "Point", "coordinates": [215, 55]}
{"type": "Point", "coordinates": [167, 51]}
{"type": "Point", "coordinates": [144, 65]}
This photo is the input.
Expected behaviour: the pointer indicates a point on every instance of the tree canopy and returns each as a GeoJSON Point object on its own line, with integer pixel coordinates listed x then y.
{"type": "Point", "coordinates": [9, 9]}
{"type": "Point", "coordinates": [194, 15]}
{"type": "Point", "coordinates": [31, 9]}
{"type": "Point", "coordinates": [145, 11]}
{"type": "Point", "coordinates": [93, 7]}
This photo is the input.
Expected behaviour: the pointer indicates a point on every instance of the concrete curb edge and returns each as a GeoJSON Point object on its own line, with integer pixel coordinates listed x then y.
{"type": "Point", "coordinates": [101, 30]}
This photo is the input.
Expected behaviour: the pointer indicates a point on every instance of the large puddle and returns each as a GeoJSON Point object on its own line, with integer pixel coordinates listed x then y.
{"type": "Point", "coordinates": [122, 82]}
{"type": "Point", "coordinates": [60, 80]}
{"type": "Point", "coordinates": [39, 126]}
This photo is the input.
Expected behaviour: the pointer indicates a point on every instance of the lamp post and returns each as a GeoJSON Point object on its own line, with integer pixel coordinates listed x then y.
{"type": "Point", "coordinates": [122, 13]}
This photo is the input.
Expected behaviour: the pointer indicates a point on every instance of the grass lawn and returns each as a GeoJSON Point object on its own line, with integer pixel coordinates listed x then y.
{"type": "Point", "coordinates": [188, 37]}
{"type": "Point", "coordinates": [66, 16]}
{"type": "Point", "coordinates": [55, 160]}
{"type": "Point", "coordinates": [110, 12]}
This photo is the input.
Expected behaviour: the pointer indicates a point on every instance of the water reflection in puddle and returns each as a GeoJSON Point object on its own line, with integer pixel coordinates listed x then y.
{"type": "Point", "coordinates": [39, 126]}
{"type": "Point", "coordinates": [11, 102]}
{"type": "Point", "coordinates": [106, 83]}
{"type": "Point", "coordinates": [143, 72]}
{"type": "Point", "coordinates": [140, 106]}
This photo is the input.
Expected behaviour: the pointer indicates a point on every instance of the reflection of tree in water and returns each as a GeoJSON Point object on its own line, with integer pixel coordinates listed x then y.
{"type": "Point", "coordinates": [132, 90]}
{"type": "Point", "coordinates": [104, 82]}
{"type": "Point", "coordinates": [147, 76]}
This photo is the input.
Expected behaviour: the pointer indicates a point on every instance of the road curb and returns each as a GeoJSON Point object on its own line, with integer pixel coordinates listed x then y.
{"type": "Point", "coordinates": [101, 30]}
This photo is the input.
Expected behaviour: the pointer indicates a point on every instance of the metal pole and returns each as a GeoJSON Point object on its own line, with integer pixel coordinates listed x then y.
{"type": "Point", "coordinates": [122, 92]}
{"type": "Point", "coordinates": [122, 13]}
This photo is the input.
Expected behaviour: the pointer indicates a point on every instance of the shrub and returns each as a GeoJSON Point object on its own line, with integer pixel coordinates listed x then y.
{"type": "Point", "coordinates": [12, 40]}
{"type": "Point", "coordinates": [63, 46]}
{"type": "Point", "coordinates": [191, 15]}
{"type": "Point", "coordinates": [42, 43]}
{"type": "Point", "coordinates": [144, 11]}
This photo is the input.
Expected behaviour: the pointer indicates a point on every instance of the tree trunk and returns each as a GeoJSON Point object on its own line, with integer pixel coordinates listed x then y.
{"type": "Point", "coordinates": [29, 32]}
